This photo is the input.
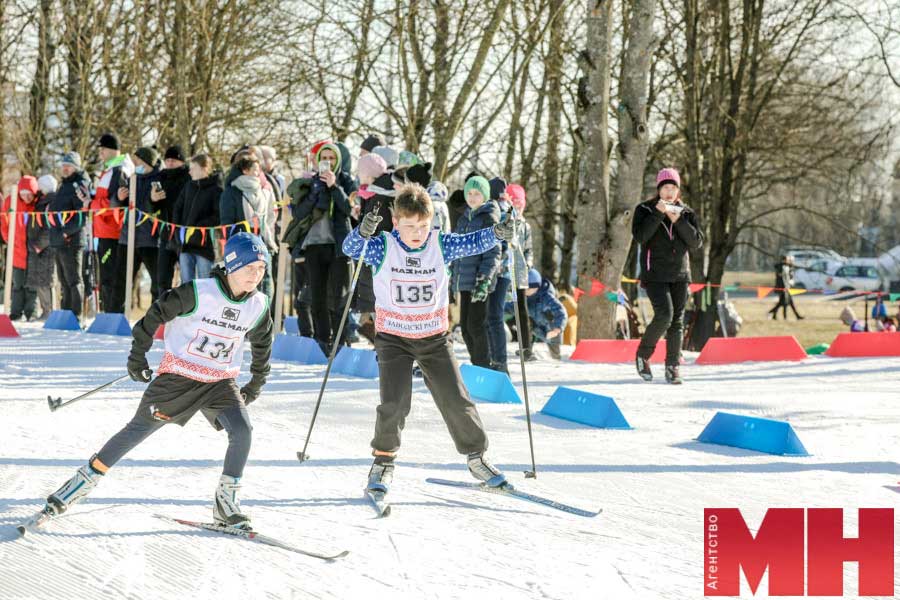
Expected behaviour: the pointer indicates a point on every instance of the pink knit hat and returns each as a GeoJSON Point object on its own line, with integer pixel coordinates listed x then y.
{"type": "Point", "coordinates": [371, 166]}
{"type": "Point", "coordinates": [516, 196]}
{"type": "Point", "coordinates": [668, 175]}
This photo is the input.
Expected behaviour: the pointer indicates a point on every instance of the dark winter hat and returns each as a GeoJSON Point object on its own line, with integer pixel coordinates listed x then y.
{"type": "Point", "coordinates": [534, 278]}
{"type": "Point", "coordinates": [71, 158]}
{"type": "Point", "coordinates": [147, 154]}
{"type": "Point", "coordinates": [420, 174]}
{"type": "Point", "coordinates": [498, 186]}
{"type": "Point", "coordinates": [108, 140]}
{"type": "Point", "coordinates": [371, 142]}
{"type": "Point", "coordinates": [174, 152]}
{"type": "Point", "coordinates": [243, 249]}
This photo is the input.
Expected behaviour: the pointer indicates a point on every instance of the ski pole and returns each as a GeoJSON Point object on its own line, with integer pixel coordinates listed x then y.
{"type": "Point", "coordinates": [512, 272]}
{"type": "Point", "coordinates": [302, 455]}
{"type": "Point", "coordinates": [58, 403]}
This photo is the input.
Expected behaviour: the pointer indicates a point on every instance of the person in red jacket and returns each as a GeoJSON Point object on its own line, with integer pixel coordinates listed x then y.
{"type": "Point", "coordinates": [111, 192]}
{"type": "Point", "coordinates": [24, 299]}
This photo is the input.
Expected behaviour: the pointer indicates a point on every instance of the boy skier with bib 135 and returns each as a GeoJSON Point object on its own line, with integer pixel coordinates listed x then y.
{"type": "Point", "coordinates": [207, 321]}
{"type": "Point", "coordinates": [411, 302]}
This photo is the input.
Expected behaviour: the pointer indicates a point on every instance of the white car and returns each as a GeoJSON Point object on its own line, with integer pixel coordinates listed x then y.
{"type": "Point", "coordinates": [855, 276]}
{"type": "Point", "coordinates": [813, 276]}
{"type": "Point", "coordinates": [805, 257]}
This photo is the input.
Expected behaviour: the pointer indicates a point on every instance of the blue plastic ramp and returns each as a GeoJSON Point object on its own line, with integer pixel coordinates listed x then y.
{"type": "Point", "coordinates": [62, 319]}
{"type": "Point", "coordinates": [356, 362]}
{"type": "Point", "coordinates": [585, 408]}
{"type": "Point", "coordinates": [487, 385]}
{"type": "Point", "coordinates": [297, 349]}
{"type": "Point", "coordinates": [110, 324]}
{"type": "Point", "coordinates": [753, 433]}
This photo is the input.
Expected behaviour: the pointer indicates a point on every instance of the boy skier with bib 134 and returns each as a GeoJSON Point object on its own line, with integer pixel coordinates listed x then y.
{"type": "Point", "coordinates": [207, 321]}
{"type": "Point", "coordinates": [411, 302]}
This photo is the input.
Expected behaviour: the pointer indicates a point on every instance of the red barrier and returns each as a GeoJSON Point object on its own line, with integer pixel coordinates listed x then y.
{"type": "Point", "coordinates": [723, 351]}
{"type": "Point", "coordinates": [160, 332]}
{"type": "Point", "coordinates": [7, 329]}
{"type": "Point", "coordinates": [865, 344]}
{"type": "Point", "coordinates": [614, 351]}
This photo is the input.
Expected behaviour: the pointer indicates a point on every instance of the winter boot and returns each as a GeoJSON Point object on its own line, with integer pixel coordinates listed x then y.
{"type": "Point", "coordinates": [554, 349]}
{"type": "Point", "coordinates": [672, 375]}
{"type": "Point", "coordinates": [227, 504]}
{"type": "Point", "coordinates": [643, 368]}
{"type": "Point", "coordinates": [481, 469]}
{"type": "Point", "coordinates": [74, 490]}
{"type": "Point", "coordinates": [381, 474]}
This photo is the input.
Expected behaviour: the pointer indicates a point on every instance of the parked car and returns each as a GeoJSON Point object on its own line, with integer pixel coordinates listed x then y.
{"type": "Point", "coordinates": [860, 274]}
{"type": "Point", "coordinates": [814, 275]}
{"type": "Point", "coordinates": [805, 256]}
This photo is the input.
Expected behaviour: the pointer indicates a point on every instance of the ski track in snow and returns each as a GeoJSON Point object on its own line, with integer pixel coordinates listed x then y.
{"type": "Point", "coordinates": [652, 483]}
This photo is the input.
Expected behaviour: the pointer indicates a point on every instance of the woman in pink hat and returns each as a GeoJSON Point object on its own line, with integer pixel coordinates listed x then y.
{"type": "Point", "coordinates": [667, 230]}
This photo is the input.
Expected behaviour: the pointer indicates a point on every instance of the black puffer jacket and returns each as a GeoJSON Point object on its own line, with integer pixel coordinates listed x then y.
{"type": "Point", "coordinates": [198, 206]}
{"type": "Point", "coordinates": [172, 182]}
{"type": "Point", "coordinates": [664, 245]}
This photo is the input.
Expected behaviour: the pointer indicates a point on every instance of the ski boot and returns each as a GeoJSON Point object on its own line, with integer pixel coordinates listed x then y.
{"type": "Point", "coordinates": [482, 470]}
{"type": "Point", "coordinates": [643, 368]}
{"type": "Point", "coordinates": [672, 375]}
{"type": "Point", "coordinates": [227, 505]}
{"type": "Point", "coordinates": [74, 490]}
{"type": "Point", "coordinates": [381, 474]}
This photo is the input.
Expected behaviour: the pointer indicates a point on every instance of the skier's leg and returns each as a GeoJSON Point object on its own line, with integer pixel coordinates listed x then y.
{"type": "Point", "coordinates": [227, 504]}
{"type": "Point", "coordinates": [395, 384]}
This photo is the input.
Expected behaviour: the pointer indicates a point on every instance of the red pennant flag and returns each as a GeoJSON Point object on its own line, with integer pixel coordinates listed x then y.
{"type": "Point", "coordinates": [696, 287]}
{"type": "Point", "coordinates": [203, 236]}
{"type": "Point", "coordinates": [255, 226]}
{"type": "Point", "coordinates": [596, 287]}
{"type": "Point", "coordinates": [762, 292]}
{"type": "Point", "coordinates": [155, 224]}
{"type": "Point", "coordinates": [577, 293]}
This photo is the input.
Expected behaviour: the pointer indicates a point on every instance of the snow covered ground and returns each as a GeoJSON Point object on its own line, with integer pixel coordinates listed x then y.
{"type": "Point", "coordinates": [652, 482]}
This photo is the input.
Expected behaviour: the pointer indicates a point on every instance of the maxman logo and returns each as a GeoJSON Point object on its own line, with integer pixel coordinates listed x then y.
{"type": "Point", "coordinates": [785, 538]}
{"type": "Point", "coordinates": [402, 271]}
{"type": "Point", "coordinates": [413, 262]}
{"type": "Point", "coordinates": [224, 325]}
{"type": "Point", "coordinates": [231, 314]}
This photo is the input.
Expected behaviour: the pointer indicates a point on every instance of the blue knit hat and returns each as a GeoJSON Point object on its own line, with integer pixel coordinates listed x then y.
{"type": "Point", "coordinates": [534, 278]}
{"type": "Point", "coordinates": [242, 249]}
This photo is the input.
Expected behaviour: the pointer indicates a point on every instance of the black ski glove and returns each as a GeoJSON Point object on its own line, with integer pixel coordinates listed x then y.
{"type": "Point", "coordinates": [506, 229]}
{"type": "Point", "coordinates": [138, 369]}
{"type": "Point", "coordinates": [252, 389]}
{"type": "Point", "coordinates": [369, 225]}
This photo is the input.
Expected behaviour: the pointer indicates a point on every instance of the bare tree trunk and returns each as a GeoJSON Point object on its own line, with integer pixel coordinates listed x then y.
{"type": "Point", "coordinates": [36, 135]}
{"type": "Point", "coordinates": [569, 221]}
{"type": "Point", "coordinates": [604, 223]}
{"type": "Point", "coordinates": [551, 212]}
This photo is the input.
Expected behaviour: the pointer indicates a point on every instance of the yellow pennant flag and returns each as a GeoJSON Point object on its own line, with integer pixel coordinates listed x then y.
{"type": "Point", "coordinates": [628, 280]}
{"type": "Point", "coordinates": [190, 232]}
{"type": "Point", "coordinates": [797, 291]}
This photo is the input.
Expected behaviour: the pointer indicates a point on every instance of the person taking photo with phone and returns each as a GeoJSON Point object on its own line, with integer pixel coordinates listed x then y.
{"type": "Point", "coordinates": [667, 230]}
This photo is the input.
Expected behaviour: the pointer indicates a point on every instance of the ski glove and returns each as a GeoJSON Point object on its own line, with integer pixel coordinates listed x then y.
{"type": "Point", "coordinates": [138, 369]}
{"type": "Point", "coordinates": [252, 389]}
{"type": "Point", "coordinates": [369, 225]}
{"type": "Point", "coordinates": [481, 290]}
{"type": "Point", "coordinates": [506, 229]}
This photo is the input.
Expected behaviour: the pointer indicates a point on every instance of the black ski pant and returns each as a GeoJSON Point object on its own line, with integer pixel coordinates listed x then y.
{"type": "Point", "coordinates": [668, 300]}
{"type": "Point", "coordinates": [435, 357]}
{"type": "Point", "coordinates": [68, 267]}
{"type": "Point", "coordinates": [112, 275]}
{"type": "Point", "coordinates": [784, 301]}
{"type": "Point", "coordinates": [329, 282]}
{"type": "Point", "coordinates": [473, 321]}
{"type": "Point", "coordinates": [172, 398]}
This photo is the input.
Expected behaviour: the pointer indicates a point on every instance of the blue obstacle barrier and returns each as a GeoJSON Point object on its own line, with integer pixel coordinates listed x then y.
{"type": "Point", "coordinates": [356, 362]}
{"type": "Point", "coordinates": [294, 348]}
{"type": "Point", "coordinates": [62, 319]}
{"type": "Point", "coordinates": [290, 326]}
{"type": "Point", "coordinates": [487, 385]}
{"type": "Point", "coordinates": [753, 433]}
{"type": "Point", "coordinates": [585, 408]}
{"type": "Point", "coordinates": [110, 324]}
